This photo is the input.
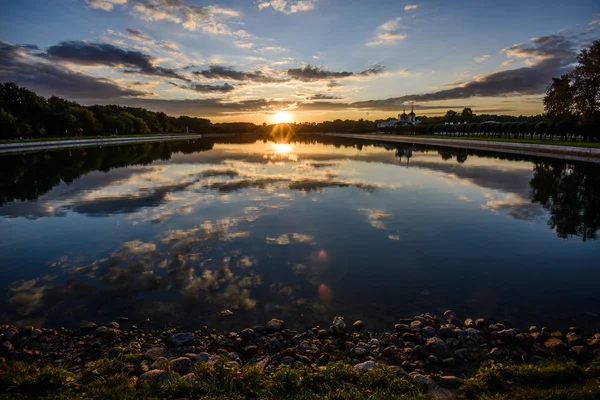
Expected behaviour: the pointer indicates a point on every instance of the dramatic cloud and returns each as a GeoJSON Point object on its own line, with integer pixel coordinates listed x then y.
{"type": "Point", "coordinates": [84, 53]}
{"type": "Point", "coordinates": [213, 20]}
{"type": "Point", "coordinates": [105, 5]}
{"type": "Point", "coordinates": [481, 59]}
{"type": "Point", "coordinates": [219, 72]}
{"type": "Point", "coordinates": [388, 33]}
{"type": "Point", "coordinates": [410, 7]}
{"type": "Point", "coordinates": [546, 56]}
{"type": "Point", "coordinates": [507, 63]}
{"type": "Point", "coordinates": [309, 73]}
{"type": "Point", "coordinates": [226, 88]}
{"type": "Point", "coordinates": [288, 6]}
{"type": "Point", "coordinates": [19, 66]}
{"type": "Point", "coordinates": [322, 96]}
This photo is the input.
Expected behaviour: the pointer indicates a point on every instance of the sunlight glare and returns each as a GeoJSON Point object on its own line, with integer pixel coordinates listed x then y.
{"type": "Point", "coordinates": [283, 148]}
{"type": "Point", "coordinates": [282, 117]}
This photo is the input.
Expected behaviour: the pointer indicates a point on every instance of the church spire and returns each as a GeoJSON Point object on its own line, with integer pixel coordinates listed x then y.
{"type": "Point", "coordinates": [412, 108]}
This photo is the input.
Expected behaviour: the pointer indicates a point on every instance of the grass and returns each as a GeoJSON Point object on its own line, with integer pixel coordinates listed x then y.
{"type": "Point", "coordinates": [508, 140]}
{"type": "Point", "coordinates": [107, 380]}
{"type": "Point", "coordinates": [49, 139]}
{"type": "Point", "coordinates": [545, 381]}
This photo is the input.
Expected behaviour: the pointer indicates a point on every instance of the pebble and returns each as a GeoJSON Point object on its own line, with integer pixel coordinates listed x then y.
{"type": "Point", "coordinates": [449, 382]}
{"type": "Point", "coordinates": [275, 325]}
{"type": "Point", "coordinates": [365, 366]}
{"type": "Point", "coordinates": [339, 326]}
{"type": "Point", "coordinates": [181, 339]}
{"type": "Point", "coordinates": [359, 325]}
{"type": "Point", "coordinates": [181, 365]}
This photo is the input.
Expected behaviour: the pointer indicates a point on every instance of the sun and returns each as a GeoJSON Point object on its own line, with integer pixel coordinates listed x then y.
{"type": "Point", "coordinates": [282, 148]}
{"type": "Point", "coordinates": [282, 117]}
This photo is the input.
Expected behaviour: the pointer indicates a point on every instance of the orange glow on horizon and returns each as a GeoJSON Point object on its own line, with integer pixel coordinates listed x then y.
{"type": "Point", "coordinates": [282, 117]}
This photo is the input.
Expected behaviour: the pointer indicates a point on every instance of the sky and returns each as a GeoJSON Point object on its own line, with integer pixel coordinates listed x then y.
{"type": "Point", "coordinates": [295, 60]}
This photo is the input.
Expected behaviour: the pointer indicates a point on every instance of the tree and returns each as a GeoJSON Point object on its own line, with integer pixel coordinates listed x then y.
{"type": "Point", "coordinates": [451, 116]}
{"type": "Point", "coordinates": [541, 128]}
{"type": "Point", "coordinates": [467, 114]}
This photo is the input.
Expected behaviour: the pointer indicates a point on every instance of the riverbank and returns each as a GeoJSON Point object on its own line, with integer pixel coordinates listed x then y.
{"type": "Point", "coordinates": [421, 357]}
{"type": "Point", "coordinates": [570, 152]}
{"type": "Point", "coordinates": [22, 146]}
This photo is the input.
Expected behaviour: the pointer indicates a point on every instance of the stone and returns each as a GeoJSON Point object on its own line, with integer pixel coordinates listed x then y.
{"type": "Point", "coordinates": [365, 366]}
{"type": "Point", "coordinates": [36, 333]}
{"type": "Point", "coordinates": [27, 330]}
{"type": "Point", "coordinates": [581, 352]}
{"type": "Point", "coordinates": [433, 359]}
{"type": "Point", "coordinates": [115, 352]}
{"type": "Point", "coordinates": [275, 325]}
{"type": "Point", "coordinates": [429, 331]}
{"type": "Point", "coordinates": [232, 364]}
{"type": "Point", "coordinates": [445, 333]}
{"type": "Point", "coordinates": [181, 365]}
{"type": "Point", "coordinates": [287, 360]}
{"type": "Point", "coordinates": [154, 352]}
{"type": "Point", "coordinates": [449, 382]}
{"type": "Point", "coordinates": [233, 356]}
{"type": "Point", "coordinates": [123, 319]}
{"type": "Point", "coordinates": [360, 351]}
{"type": "Point", "coordinates": [189, 377]}
{"type": "Point", "coordinates": [156, 374]}
{"type": "Point", "coordinates": [339, 326]}
{"type": "Point", "coordinates": [438, 347]}
{"type": "Point", "coordinates": [87, 326]}
{"type": "Point", "coordinates": [419, 378]}
{"type": "Point", "coordinates": [258, 329]}
{"type": "Point", "coordinates": [112, 325]}
{"type": "Point", "coordinates": [359, 325]}
{"type": "Point", "coordinates": [555, 344]}
{"type": "Point", "coordinates": [469, 323]}
{"type": "Point", "coordinates": [6, 348]}
{"type": "Point", "coordinates": [181, 339]}
{"type": "Point", "coordinates": [226, 313]}
{"type": "Point", "coordinates": [506, 335]}
{"type": "Point", "coordinates": [374, 342]}
{"type": "Point", "coordinates": [419, 352]}
{"type": "Point", "coordinates": [250, 350]}
{"type": "Point", "coordinates": [575, 329]}
{"type": "Point", "coordinates": [472, 331]}
{"type": "Point", "coordinates": [401, 328]}
{"type": "Point", "coordinates": [448, 362]}
{"type": "Point", "coordinates": [525, 339]}
{"type": "Point", "coordinates": [534, 329]}
{"type": "Point", "coordinates": [304, 346]}
{"type": "Point", "coordinates": [389, 351]}
{"type": "Point", "coordinates": [496, 352]}
{"type": "Point", "coordinates": [247, 333]}
{"type": "Point", "coordinates": [574, 339]}
{"type": "Point", "coordinates": [594, 343]}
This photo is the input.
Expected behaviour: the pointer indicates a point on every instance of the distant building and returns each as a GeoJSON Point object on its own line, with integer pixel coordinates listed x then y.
{"type": "Point", "coordinates": [403, 119]}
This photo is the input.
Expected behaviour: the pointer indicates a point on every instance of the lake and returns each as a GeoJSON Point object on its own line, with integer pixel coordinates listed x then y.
{"type": "Point", "coordinates": [177, 232]}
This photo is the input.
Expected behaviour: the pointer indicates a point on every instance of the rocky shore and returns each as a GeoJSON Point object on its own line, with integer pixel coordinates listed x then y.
{"type": "Point", "coordinates": [434, 352]}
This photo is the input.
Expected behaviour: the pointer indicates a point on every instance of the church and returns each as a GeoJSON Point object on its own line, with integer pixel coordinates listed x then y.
{"type": "Point", "coordinates": [403, 119]}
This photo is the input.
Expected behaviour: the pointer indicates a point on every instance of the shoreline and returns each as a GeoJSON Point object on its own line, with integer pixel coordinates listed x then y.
{"type": "Point", "coordinates": [6, 148]}
{"type": "Point", "coordinates": [573, 153]}
{"type": "Point", "coordinates": [433, 354]}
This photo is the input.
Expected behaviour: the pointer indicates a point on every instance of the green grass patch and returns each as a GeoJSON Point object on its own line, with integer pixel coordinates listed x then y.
{"type": "Point", "coordinates": [107, 379]}
{"type": "Point", "coordinates": [545, 381]}
{"type": "Point", "coordinates": [507, 140]}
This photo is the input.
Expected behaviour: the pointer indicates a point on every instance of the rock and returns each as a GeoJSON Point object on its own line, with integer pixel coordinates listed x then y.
{"type": "Point", "coordinates": [525, 339]}
{"type": "Point", "coordinates": [250, 350]}
{"type": "Point", "coordinates": [275, 325]}
{"type": "Point", "coordinates": [27, 330]}
{"type": "Point", "coordinates": [287, 360]}
{"type": "Point", "coordinates": [156, 375]}
{"type": "Point", "coordinates": [339, 326]}
{"type": "Point", "coordinates": [360, 351]}
{"type": "Point", "coordinates": [365, 366]}
{"type": "Point", "coordinates": [258, 329]}
{"type": "Point", "coordinates": [374, 342]}
{"type": "Point", "coordinates": [574, 339]}
{"type": "Point", "coordinates": [233, 356]}
{"type": "Point", "coordinates": [419, 379]}
{"type": "Point", "coordinates": [123, 319]}
{"type": "Point", "coordinates": [112, 325]}
{"type": "Point", "coordinates": [247, 334]}
{"type": "Point", "coordinates": [480, 323]}
{"type": "Point", "coordinates": [448, 362]}
{"type": "Point", "coordinates": [6, 348]}
{"type": "Point", "coordinates": [202, 357]}
{"type": "Point", "coordinates": [359, 325]}
{"type": "Point", "coordinates": [87, 326]}
{"type": "Point", "coordinates": [189, 377]}
{"type": "Point", "coordinates": [106, 334]}
{"type": "Point", "coordinates": [181, 339]}
{"type": "Point", "coordinates": [438, 347]}
{"type": "Point", "coordinates": [472, 331]}
{"type": "Point", "coordinates": [419, 352]}
{"type": "Point", "coordinates": [154, 353]}
{"type": "Point", "coordinates": [115, 352]}
{"type": "Point", "coordinates": [389, 351]}
{"type": "Point", "coordinates": [506, 335]}
{"type": "Point", "coordinates": [575, 329]}
{"type": "Point", "coordinates": [36, 333]}
{"type": "Point", "coordinates": [469, 323]}
{"type": "Point", "coordinates": [181, 365]}
{"type": "Point", "coordinates": [429, 331]}
{"type": "Point", "coordinates": [433, 359]}
{"type": "Point", "coordinates": [496, 352]}
{"type": "Point", "coordinates": [449, 382]}
{"type": "Point", "coordinates": [581, 352]}
{"type": "Point", "coordinates": [401, 328]}
{"type": "Point", "coordinates": [445, 333]}
{"type": "Point", "coordinates": [594, 343]}
{"type": "Point", "coordinates": [226, 313]}
{"type": "Point", "coordinates": [555, 344]}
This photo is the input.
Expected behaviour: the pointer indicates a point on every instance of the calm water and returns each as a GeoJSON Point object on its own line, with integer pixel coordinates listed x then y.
{"type": "Point", "coordinates": [178, 232]}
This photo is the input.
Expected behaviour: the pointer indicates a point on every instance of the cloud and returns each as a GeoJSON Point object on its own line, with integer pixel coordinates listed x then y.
{"type": "Point", "coordinates": [311, 73]}
{"type": "Point", "coordinates": [387, 33]}
{"type": "Point", "coordinates": [225, 88]}
{"type": "Point", "coordinates": [323, 96]}
{"type": "Point", "coordinates": [86, 53]}
{"type": "Point", "coordinates": [507, 63]}
{"type": "Point", "coordinates": [219, 72]}
{"type": "Point", "coordinates": [548, 56]}
{"type": "Point", "coordinates": [410, 7]}
{"type": "Point", "coordinates": [213, 19]}
{"type": "Point", "coordinates": [18, 65]}
{"type": "Point", "coordinates": [481, 59]}
{"type": "Point", "coordinates": [516, 206]}
{"type": "Point", "coordinates": [105, 5]}
{"type": "Point", "coordinates": [288, 6]}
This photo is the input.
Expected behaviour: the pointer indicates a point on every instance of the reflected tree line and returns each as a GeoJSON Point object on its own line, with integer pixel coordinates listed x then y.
{"type": "Point", "coordinates": [569, 191]}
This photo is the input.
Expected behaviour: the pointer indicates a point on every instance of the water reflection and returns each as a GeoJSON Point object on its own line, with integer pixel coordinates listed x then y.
{"type": "Point", "coordinates": [177, 232]}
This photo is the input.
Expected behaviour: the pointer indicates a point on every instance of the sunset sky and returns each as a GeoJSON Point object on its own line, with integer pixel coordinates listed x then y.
{"type": "Point", "coordinates": [244, 60]}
